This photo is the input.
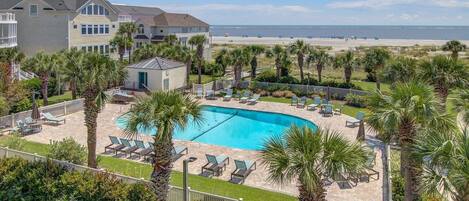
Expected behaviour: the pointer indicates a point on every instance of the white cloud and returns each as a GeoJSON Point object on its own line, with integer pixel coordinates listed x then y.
{"type": "Point", "coordinates": [262, 8]}
{"type": "Point", "coordinates": [375, 4]}
{"type": "Point", "coordinates": [407, 16]}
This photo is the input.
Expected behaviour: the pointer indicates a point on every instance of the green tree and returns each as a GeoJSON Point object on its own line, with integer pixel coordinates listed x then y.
{"type": "Point", "coordinates": [121, 43]}
{"type": "Point", "coordinates": [454, 47]}
{"type": "Point", "coordinates": [223, 59]}
{"type": "Point", "coordinates": [301, 49]}
{"type": "Point", "coordinates": [187, 56]}
{"type": "Point", "coordinates": [239, 58]}
{"type": "Point", "coordinates": [461, 104]}
{"type": "Point", "coordinates": [321, 59]}
{"type": "Point", "coordinates": [348, 61]}
{"type": "Point", "coordinates": [375, 60]}
{"type": "Point", "coordinates": [445, 156]}
{"type": "Point", "coordinates": [254, 51]}
{"type": "Point", "coordinates": [409, 108]}
{"type": "Point", "coordinates": [67, 150]}
{"type": "Point", "coordinates": [310, 156]}
{"type": "Point", "coordinates": [98, 72]}
{"type": "Point", "coordinates": [72, 69]}
{"type": "Point", "coordinates": [4, 106]}
{"type": "Point", "coordinates": [199, 41]}
{"type": "Point", "coordinates": [171, 39]}
{"type": "Point", "coordinates": [444, 74]}
{"type": "Point", "coordinates": [127, 29]}
{"type": "Point", "coordinates": [43, 65]}
{"type": "Point", "coordinates": [400, 69]}
{"type": "Point", "coordinates": [10, 56]}
{"type": "Point", "coordinates": [279, 54]}
{"type": "Point", "coordinates": [165, 111]}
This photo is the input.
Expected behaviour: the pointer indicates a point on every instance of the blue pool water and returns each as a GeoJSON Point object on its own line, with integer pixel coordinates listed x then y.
{"type": "Point", "coordinates": [235, 128]}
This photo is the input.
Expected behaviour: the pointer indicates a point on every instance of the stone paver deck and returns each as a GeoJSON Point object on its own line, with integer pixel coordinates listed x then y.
{"type": "Point", "coordinates": [75, 128]}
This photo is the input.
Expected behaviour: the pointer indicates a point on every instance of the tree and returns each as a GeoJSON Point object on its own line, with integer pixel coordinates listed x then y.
{"type": "Point", "coordinates": [121, 43]}
{"type": "Point", "coordinates": [309, 157]}
{"type": "Point", "coordinates": [186, 55]}
{"type": "Point", "coordinates": [300, 48]}
{"type": "Point", "coordinates": [127, 29]}
{"type": "Point", "coordinates": [454, 47]}
{"type": "Point", "coordinates": [348, 61]}
{"type": "Point", "coordinates": [375, 59]}
{"type": "Point", "coordinates": [223, 59]}
{"type": "Point", "coordinates": [199, 41]}
{"type": "Point", "coordinates": [400, 69]}
{"type": "Point", "coordinates": [445, 164]}
{"type": "Point", "coordinates": [165, 111]}
{"type": "Point", "coordinates": [409, 108]}
{"type": "Point", "coordinates": [239, 58]}
{"type": "Point", "coordinates": [321, 59]}
{"type": "Point", "coordinates": [277, 52]}
{"type": "Point", "coordinates": [43, 65]}
{"type": "Point", "coordinates": [72, 69]}
{"type": "Point", "coordinates": [98, 72]}
{"type": "Point", "coordinates": [10, 56]}
{"type": "Point", "coordinates": [444, 74]}
{"type": "Point", "coordinates": [254, 51]}
{"type": "Point", "coordinates": [171, 39]}
{"type": "Point", "coordinates": [461, 105]}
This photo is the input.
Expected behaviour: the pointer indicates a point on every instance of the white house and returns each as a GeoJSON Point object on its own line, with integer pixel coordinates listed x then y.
{"type": "Point", "coordinates": [156, 74]}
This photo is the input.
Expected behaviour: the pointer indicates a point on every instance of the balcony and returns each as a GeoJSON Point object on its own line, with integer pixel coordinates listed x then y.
{"type": "Point", "coordinates": [124, 18]}
{"type": "Point", "coordinates": [7, 30]}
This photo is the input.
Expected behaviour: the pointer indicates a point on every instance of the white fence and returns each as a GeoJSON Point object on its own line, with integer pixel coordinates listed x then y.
{"type": "Point", "coordinates": [175, 194]}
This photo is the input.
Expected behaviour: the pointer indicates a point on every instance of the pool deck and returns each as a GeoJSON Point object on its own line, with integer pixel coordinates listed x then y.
{"type": "Point", "coordinates": [372, 191]}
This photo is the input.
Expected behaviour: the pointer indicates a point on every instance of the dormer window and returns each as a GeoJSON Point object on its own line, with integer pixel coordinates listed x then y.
{"type": "Point", "coordinates": [141, 29]}
{"type": "Point", "coordinates": [94, 9]}
{"type": "Point", "coordinates": [32, 10]}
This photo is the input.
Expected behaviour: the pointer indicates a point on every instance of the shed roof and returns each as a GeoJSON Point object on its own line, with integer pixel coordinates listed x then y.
{"type": "Point", "coordinates": [157, 63]}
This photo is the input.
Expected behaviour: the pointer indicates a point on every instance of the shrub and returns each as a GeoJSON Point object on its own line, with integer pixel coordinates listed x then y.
{"type": "Point", "coordinates": [397, 186]}
{"type": "Point", "coordinates": [288, 94]}
{"type": "Point", "coordinates": [355, 100]}
{"type": "Point", "coordinates": [68, 150]}
{"type": "Point", "coordinates": [289, 80]}
{"type": "Point", "coordinates": [267, 76]}
{"type": "Point", "coordinates": [32, 84]}
{"type": "Point", "coordinates": [4, 107]}
{"type": "Point", "coordinates": [22, 105]}
{"type": "Point", "coordinates": [15, 142]}
{"type": "Point", "coordinates": [278, 94]}
{"type": "Point", "coordinates": [310, 81]}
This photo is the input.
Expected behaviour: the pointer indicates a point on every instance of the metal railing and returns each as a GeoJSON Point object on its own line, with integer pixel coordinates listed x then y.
{"type": "Point", "coordinates": [175, 193]}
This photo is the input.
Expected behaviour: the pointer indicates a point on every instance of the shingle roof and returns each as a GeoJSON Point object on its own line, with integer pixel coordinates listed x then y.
{"type": "Point", "coordinates": [141, 37]}
{"type": "Point", "coordinates": [137, 10]}
{"type": "Point", "coordinates": [157, 63]}
{"type": "Point", "coordinates": [179, 20]}
{"type": "Point", "coordinates": [56, 4]}
{"type": "Point", "coordinates": [7, 4]}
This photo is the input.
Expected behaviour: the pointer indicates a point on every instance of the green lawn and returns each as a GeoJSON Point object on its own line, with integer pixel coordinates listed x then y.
{"type": "Point", "coordinates": [205, 78]}
{"type": "Point", "coordinates": [140, 170]}
{"type": "Point", "coordinates": [58, 99]}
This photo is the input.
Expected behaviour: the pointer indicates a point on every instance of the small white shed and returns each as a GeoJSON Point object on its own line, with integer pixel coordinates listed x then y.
{"type": "Point", "coordinates": [156, 74]}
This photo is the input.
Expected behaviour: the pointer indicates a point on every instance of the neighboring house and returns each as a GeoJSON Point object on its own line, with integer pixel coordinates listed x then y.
{"type": "Point", "coordinates": [156, 74]}
{"type": "Point", "coordinates": [8, 30]}
{"type": "Point", "coordinates": [155, 24]}
{"type": "Point", "coordinates": [54, 25]}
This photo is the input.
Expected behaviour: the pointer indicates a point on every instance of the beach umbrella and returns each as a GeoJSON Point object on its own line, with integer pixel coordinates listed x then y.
{"type": "Point", "coordinates": [35, 110]}
{"type": "Point", "coordinates": [361, 132]}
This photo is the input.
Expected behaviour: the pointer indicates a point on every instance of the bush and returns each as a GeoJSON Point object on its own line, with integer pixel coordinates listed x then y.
{"type": "Point", "coordinates": [4, 107]}
{"type": "Point", "coordinates": [267, 76]}
{"type": "Point", "coordinates": [397, 186]}
{"type": "Point", "coordinates": [15, 142]}
{"type": "Point", "coordinates": [68, 150]}
{"type": "Point", "coordinates": [289, 80]}
{"type": "Point", "coordinates": [32, 84]}
{"type": "Point", "coordinates": [278, 94]}
{"type": "Point", "coordinates": [22, 105]}
{"type": "Point", "coordinates": [355, 100]}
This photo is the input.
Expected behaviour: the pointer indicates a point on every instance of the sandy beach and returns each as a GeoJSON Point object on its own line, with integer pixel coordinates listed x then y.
{"type": "Point", "coordinates": [336, 44]}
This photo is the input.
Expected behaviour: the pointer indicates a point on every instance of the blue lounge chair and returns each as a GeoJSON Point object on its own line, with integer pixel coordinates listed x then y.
{"type": "Point", "coordinates": [23, 128]}
{"type": "Point", "coordinates": [302, 102]}
{"type": "Point", "coordinates": [115, 145]}
{"type": "Point", "coordinates": [142, 149]}
{"type": "Point", "coordinates": [328, 111]}
{"type": "Point", "coordinates": [316, 103]}
{"type": "Point", "coordinates": [354, 121]}
{"type": "Point", "coordinates": [254, 99]}
{"type": "Point", "coordinates": [128, 149]}
{"type": "Point", "coordinates": [229, 95]}
{"type": "Point", "coordinates": [178, 151]}
{"type": "Point", "coordinates": [210, 95]}
{"type": "Point", "coordinates": [245, 97]}
{"type": "Point", "coordinates": [294, 100]}
{"type": "Point", "coordinates": [243, 169]}
{"type": "Point", "coordinates": [215, 164]}
{"type": "Point", "coordinates": [324, 102]}
{"type": "Point", "coordinates": [339, 109]}
{"type": "Point", "coordinates": [28, 120]}
{"type": "Point", "coordinates": [48, 117]}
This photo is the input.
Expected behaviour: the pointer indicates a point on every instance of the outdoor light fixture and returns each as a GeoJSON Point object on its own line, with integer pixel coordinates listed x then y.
{"type": "Point", "coordinates": [185, 171]}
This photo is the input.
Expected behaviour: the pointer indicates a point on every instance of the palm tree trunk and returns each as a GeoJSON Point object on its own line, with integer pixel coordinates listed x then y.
{"type": "Point", "coordinates": [455, 55]}
{"type": "Point", "coordinates": [161, 168]}
{"type": "Point", "coordinates": [91, 116]}
{"type": "Point", "coordinates": [130, 55]}
{"type": "Point", "coordinates": [348, 74]}
{"type": "Point", "coordinates": [73, 87]}
{"type": "Point", "coordinates": [199, 73]}
{"type": "Point", "coordinates": [319, 68]}
{"type": "Point", "coordinates": [442, 92]}
{"type": "Point", "coordinates": [44, 88]}
{"type": "Point", "coordinates": [305, 195]}
{"type": "Point", "coordinates": [378, 82]}
{"type": "Point", "coordinates": [277, 66]}
{"type": "Point", "coordinates": [121, 57]}
{"type": "Point", "coordinates": [188, 70]}
{"type": "Point", "coordinates": [410, 164]}
{"type": "Point", "coordinates": [253, 67]}
{"type": "Point", "coordinates": [300, 65]}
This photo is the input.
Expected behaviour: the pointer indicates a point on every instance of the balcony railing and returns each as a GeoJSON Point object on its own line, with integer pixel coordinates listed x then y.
{"type": "Point", "coordinates": [7, 17]}
{"type": "Point", "coordinates": [124, 18]}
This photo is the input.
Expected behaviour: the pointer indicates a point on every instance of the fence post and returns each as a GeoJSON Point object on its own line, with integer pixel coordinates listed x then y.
{"type": "Point", "coordinates": [65, 107]}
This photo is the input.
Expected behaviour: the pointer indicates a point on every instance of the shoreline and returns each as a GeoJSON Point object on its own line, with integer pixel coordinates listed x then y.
{"type": "Point", "coordinates": [335, 43]}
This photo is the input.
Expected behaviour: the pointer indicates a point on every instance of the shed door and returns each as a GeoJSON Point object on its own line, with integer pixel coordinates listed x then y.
{"type": "Point", "coordinates": [142, 80]}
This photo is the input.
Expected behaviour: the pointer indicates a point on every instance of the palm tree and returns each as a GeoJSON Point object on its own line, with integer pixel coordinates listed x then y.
{"type": "Point", "coordinates": [300, 48]}
{"type": "Point", "coordinates": [348, 61]}
{"type": "Point", "coordinates": [461, 104]}
{"type": "Point", "coordinates": [254, 51]}
{"type": "Point", "coordinates": [239, 58]}
{"type": "Point", "coordinates": [445, 164]}
{"type": "Point", "coordinates": [10, 56]}
{"type": "Point", "coordinates": [121, 43]}
{"type": "Point", "coordinates": [444, 74]}
{"type": "Point", "coordinates": [43, 65]}
{"type": "Point", "coordinates": [98, 72]}
{"type": "Point", "coordinates": [186, 55]}
{"type": "Point", "coordinates": [321, 59]}
{"type": "Point", "coordinates": [309, 157]}
{"type": "Point", "coordinates": [375, 59]}
{"type": "Point", "coordinates": [400, 69]}
{"type": "Point", "coordinates": [199, 41]}
{"type": "Point", "coordinates": [277, 52]}
{"type": "Point", "coordinates": [171, 39]}
{"type": "Point", "coordinates": [165, 111]}
{"type": "Point", "coordinates": [454, 47]}
{"type": "Point", "coordinates": [128, 29]}
{"type": "Point", "coordinates": [410, 107]}
{"type": "Point", "coordinates": [223, 59]}
{"type": "Point", "coordinates": [72, 69]}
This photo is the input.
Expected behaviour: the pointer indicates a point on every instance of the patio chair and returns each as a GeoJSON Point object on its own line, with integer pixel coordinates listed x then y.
{"type": "Point", "coordinates": [115, 145]}
{"type": "Point", "coordinates": [294, 100]}
{"type": "Point", "coordinates": [328, 111]}
{"type": "Point", "coordinates": [339, 110]}
{"type": "Point", "coordinates": [354, 121]}
{"type": "Point", "coordinates": [151, 155]}
{"type": "Point", "coordinates": [229, 95]}
{"type": "Point", "coordinates": [324, 102]}
{"type": "Point", "coordinates": [128, 149]}
{"type": "Point", "coordinates": [210, 95]}
{"type": "Point", "coordinates": [316, 103]}
{"type": "Point", "coordinates": [23, 128]}
{"type": "Point", "coordinates": [245, 97]}
{"type": "Point", "coordinates": [48, 117]}
{"type": "Point", "coordinates": [243, 169]}
{"type": "Point", "coordinates": [28, 120]}
{"type": "Point", "coordinates": [302, 102]}
{"type": "Point", "coordinates": [368, 172]}
{"type": "Point", "coordinates": [254, 99]}
{"type": "Point", "coordinates": [215, 164]}
{"type": "Point", "coordinates": [142, 149]}
{"type": "Point", "coordinates": [178, 151]}
{"type": "Point", "coordinates": [199, 93]}
{"type": "Point", "coordinates": [120, 96]}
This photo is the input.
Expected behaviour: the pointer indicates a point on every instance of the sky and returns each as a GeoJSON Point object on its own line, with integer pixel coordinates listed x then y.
{"type": "Point", "coordinates": [318, 12]}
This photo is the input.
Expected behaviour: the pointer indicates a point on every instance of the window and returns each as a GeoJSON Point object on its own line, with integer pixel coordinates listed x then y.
{"type": "Point", "coordinates": [32, 10]}
{"type": "Point", "coordinates": [101, 29]}
{"type": "Point", "coordinates": [90, 29]}
{"type": "Point", "coordinates": [101, 10]}
{"type": "Point", "coordinates": [141, 29]}
{"type": "Point", "coordinates": [83, 48]}
{"type": "Point", "coordinates": [101, 49]}
{"type": "Point", "coordinates": [106, 29]}
{"type": "Point", "coordinates": [75, 26]}
{"type": "Point", "coordinates": [89, 9]}
{"type": "Point", "coordinates": [83, 11]}
{"type": "Point", "coordinates": [95, 9]}
{"type": "Point", "coordinates": [106, 51]}
{"type": "Point", "coordinates": [90, 48]}
{"type": "Point", "coordinates": [166, 84]}
{"type": "Point", "coordinates": [96, 48]}
{"type": "Point", "coordinates": [83, 29]}
{"type": "Point", "coordinates": [96, 29]}
{"type": "Point", "coordinates": [106, 12]}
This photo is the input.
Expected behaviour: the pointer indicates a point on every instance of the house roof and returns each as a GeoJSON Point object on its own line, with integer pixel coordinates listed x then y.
{"type": "Point", "coordinates": [179, 20]}
{"type": "Point", "coordinates": [56, 4]}
{"type": "Point", "coordinates": [141, 37]}
{"type": "Point", "coordinates": [157, 63]}
{"type": "Point", "coordinates": [137, 10]}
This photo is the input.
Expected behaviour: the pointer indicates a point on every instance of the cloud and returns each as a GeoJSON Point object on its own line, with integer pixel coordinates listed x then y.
{"type": "Point", "coordinates": [261, 8]}
{"type": "Point", "coordinates": [407, 16]}
{"type": "Point", "coordinates": [452, 3]}
{"type": "Point", "coordinates": [376, 4]}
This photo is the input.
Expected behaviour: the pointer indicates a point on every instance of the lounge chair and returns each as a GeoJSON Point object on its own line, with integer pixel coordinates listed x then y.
{"type": "Point", "coordinates": [294, 100]}
{"type": "Point", "coordinates": [128, 149]}
{"type": "Point", "coordinates": [254, 99]}
{"type": "Point", "coordinates": [354, 121]}
{"type": "Point", "coordinates": [245, 97]}
{"type": "Point", "coordinates": [115, 145]}
{"type": "Point", "coordinates": [215, 164]}
{"type": "Point", "coordinates": [316, 103]}
{"type": "Point", "coordinates": [23, 128]}
{"type": "Point", "coordinates": [328, 111]}
{"type": "Point", "coordinates": [324, 102]}
{"type": "Point", "coordinates": [199, 93]}
{"type": "Point", "coordinates": [48, 117]}
{"type": "Point", "coordinates": [302, 102]}
{"type": "Point", "coordinates": [28, 120]}
{"type": "Point", "coordinates": [243, 169]}
{"type": "Point", "coordinates": [369, 172]}
{"type": "Point", "coordinates": [339, 109]}
{"type": "Point", "coordinates": [178, 151]}
{"type": "Point", "coordinates": [210, 95]}
{"type": "Point", "coordinates": [229, 95]}
{"type": "Point", "coordinates": [142, 149]}
{"type": "Point", "coordinates": [121, 97]}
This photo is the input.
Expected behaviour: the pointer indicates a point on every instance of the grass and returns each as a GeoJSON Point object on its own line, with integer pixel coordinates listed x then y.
{"type": "Point", "coordinates": [57, 99]}
{"type": "Point", "coordinates": [199, 183]}
{"type": "Point", "coordinates": [205, 78]}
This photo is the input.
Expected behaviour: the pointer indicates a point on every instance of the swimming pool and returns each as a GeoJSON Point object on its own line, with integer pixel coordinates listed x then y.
{"type": "Point", "coordinates": [235, 128]}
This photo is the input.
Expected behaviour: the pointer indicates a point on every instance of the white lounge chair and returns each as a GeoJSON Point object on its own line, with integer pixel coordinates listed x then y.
{"type": "Point", "coordinates": [210, 95]}
{"type": "Point", "coordinates": [229, 95]}
{"type": "Point", "coordinates": [354, 121]}
{"type": "Point", "coordinates": [301, 102]}
{"type": "Point", "coordinates": [48, 117]}
{"type": "Point", "coordinates": [245, 97]}
{"type": "Point", "coordinates": [254, 99]}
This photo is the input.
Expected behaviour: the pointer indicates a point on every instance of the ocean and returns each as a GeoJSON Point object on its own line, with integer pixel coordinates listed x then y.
{"type": "Point", "coordinates": [321, 31]}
